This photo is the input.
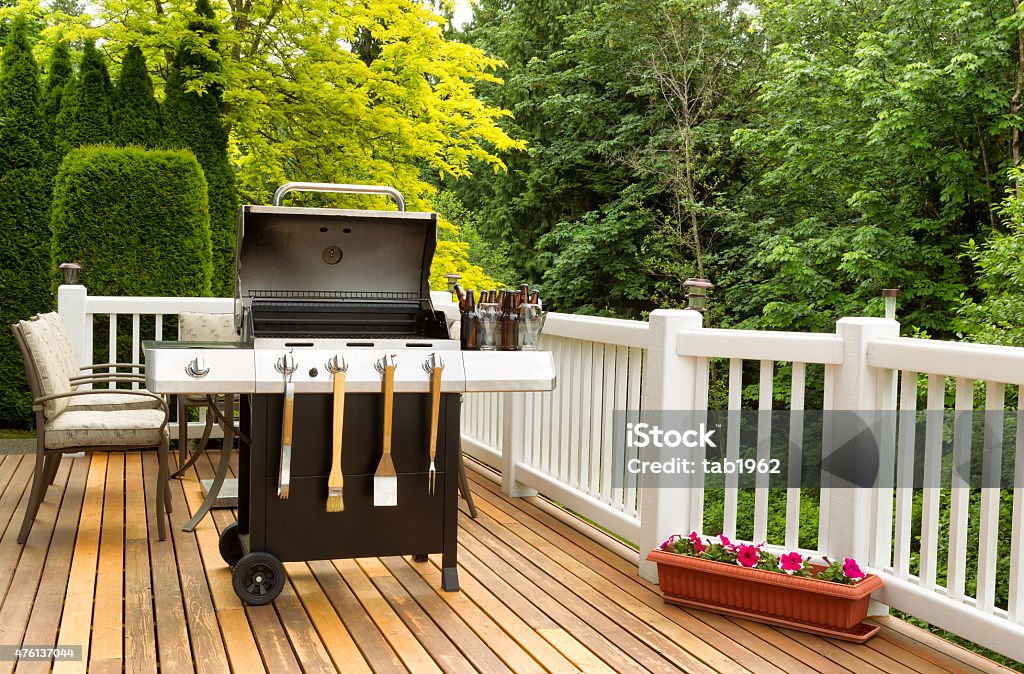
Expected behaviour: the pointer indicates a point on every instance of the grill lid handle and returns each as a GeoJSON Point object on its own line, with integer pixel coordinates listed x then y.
{"type": "Point", "coordinates": [339, 188]}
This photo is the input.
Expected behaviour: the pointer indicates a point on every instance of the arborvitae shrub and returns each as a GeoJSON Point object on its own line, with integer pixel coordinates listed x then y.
{"type": "Point", "coordinates": [136, 111]}
{"type": "Point", "coordinates": [24, 206]}
{"type": "Point", "coordinates": [86, 112]}
{"type": "Point", "coordinates": [193, 120]}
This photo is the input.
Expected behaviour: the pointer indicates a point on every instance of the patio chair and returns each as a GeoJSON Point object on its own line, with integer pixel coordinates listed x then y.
{"type": "Point", "coordinates": [200, 327]}
{"type": "Point", "coordinates": [62, 429]}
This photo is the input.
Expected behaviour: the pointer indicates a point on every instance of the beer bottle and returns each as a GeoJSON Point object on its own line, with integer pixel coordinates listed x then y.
{"type": "Point", "coordinates": [470, 325]}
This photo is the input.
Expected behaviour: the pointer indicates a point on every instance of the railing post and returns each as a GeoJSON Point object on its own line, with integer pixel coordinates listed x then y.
{"type": "Point", "coordinates": [513, 444]}
{"type": "Point", "coordinates": [71, 301]}
{"type": "Point", "coordinates": [850, 517]}
{"type": "Point", "coordinates": [669, 384]}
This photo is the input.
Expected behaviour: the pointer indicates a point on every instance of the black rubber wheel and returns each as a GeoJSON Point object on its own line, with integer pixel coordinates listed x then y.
{"type": "Point", "coordinates": [230, 546]}
{"type": "Point", "coordinates": [258, 578]}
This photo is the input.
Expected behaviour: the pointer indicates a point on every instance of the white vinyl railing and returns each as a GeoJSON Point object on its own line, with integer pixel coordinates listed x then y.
{"type": "Point", "coordinates": [560, 444]}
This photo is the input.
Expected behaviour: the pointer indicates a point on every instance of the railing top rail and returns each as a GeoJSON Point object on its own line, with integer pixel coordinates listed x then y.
{"type": "Point", "coordinates": [100, 304]}
{"type": "Point", "coordinates": [802, 347]}
{"type": "Point", "coordinates": [987, 362]}
{"type": "Point", "coordinates": [598, 329]}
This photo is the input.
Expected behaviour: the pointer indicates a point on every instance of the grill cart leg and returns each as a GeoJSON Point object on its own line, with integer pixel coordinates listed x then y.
{"type": "Point", "coordinates": [420, 558]}
{"type": "Point", "coordinates": [450, 579]}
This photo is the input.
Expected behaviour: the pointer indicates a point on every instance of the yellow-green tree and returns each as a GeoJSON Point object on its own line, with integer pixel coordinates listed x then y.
{"type": "Point", "coordinates": [361, 92]}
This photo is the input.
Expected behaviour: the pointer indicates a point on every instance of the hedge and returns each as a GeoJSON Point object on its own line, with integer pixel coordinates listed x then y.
{"type": "Point", "coordinates": [24, 204]}
{"type": "Point", "coordinates": [137, 220]}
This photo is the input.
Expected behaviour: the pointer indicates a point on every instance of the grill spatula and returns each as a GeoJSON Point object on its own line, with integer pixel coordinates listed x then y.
{"type": "Point", "coordinates": [385, 480]}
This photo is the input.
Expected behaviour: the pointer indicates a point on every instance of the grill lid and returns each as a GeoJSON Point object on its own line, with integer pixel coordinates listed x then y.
{"type": "Point", "coordinates": [329, 272]}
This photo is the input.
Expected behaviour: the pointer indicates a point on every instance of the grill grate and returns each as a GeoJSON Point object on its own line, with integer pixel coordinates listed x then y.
{"type": "Point", "coordinates": [371, 295]}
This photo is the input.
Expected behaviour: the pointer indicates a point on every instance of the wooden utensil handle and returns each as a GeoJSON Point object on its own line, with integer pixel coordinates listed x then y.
{"type": "Point", "coordinates": [435, 409]}
{"type": "Point", "coordinates": [389, 401]}
{"type": "Point", "coordinates": [289, 411]}
{"type": "Point", "coordinates": [339, 417]}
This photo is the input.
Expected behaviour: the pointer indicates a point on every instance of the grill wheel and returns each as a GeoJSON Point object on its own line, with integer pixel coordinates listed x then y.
{"type": "Point", "coordinates": [258, 578]}
{"type": "Point", "coordinates": [230, 546]}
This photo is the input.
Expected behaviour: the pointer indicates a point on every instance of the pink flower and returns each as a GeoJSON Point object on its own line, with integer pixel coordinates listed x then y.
{"type": "Point", "coordinates": [791, 562]}
{"type": "Point", "coordinates": [698, 544]}
{"type": "Point", "coordinates": [747, 555]}
{"type": "Point", "coordinates": [725, 542]}
{"type": "Point", "coordinates": [851, 569]}
{"type": "Point", "coordinates": [669, 542]}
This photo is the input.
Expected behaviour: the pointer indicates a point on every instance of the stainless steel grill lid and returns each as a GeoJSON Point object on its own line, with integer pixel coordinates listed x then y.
{"type": "Point", "coordinates": [319, 272]}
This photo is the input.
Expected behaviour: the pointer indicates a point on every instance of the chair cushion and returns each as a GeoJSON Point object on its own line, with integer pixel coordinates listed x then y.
{"type": "Point", "coordinates": [203, 327]}
{"type": "Point", "coordinates": [112, 401]}
{"type": "Point", "coordinates": [50, 366]}
{"type": "Point", "coordinates": [91, 428]}
{"type": "Point", "coordinates": [61, 342]}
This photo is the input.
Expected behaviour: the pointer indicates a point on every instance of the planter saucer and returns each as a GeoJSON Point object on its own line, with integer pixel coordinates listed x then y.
{"type": "Point", "coordinates": [858, 635]}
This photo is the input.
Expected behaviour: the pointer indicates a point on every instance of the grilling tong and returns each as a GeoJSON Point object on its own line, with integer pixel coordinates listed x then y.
{"type": "Point", "coordinates": [286, 366]}
{"type": "Point", "coordinates": [433, 366]}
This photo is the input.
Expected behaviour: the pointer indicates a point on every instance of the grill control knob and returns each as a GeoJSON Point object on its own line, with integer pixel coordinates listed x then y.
{"type": "Point", "coordinates": [312, 372]}
{"type": "Point", "coordinates": [197, 368]}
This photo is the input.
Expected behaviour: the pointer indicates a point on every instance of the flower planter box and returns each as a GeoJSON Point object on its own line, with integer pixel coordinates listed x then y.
{"type": "Point", "coordinates": [807, 604]}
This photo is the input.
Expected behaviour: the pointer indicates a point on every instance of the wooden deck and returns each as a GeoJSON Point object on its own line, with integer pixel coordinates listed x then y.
{"type": "Point", "coordinates": [536, 596]}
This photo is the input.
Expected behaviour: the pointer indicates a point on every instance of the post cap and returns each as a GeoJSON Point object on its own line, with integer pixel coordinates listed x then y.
{"type": "Point", "coordinates": [891, 292]}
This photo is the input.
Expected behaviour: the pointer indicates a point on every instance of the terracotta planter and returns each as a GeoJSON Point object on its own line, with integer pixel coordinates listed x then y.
{"type": "Point", "coordinates": [807, 604]}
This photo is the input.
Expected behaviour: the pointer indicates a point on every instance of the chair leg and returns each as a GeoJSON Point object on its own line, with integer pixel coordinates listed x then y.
{"type": "Point", "coordinates": [161, 489]}
{"type": "Point", "coordinates": [39, 485]}
{"type": "Point", "coordinates": [464, 486]}
{"type": "Point", "coordinates": [52, 463]}
{"type": "Point", "coordinates": [182, 431]}
{"type": "Point", "coordinates": [200, 448]}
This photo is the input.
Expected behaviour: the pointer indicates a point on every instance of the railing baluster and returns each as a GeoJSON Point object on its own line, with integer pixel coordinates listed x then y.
{"type": "Point", "coordinates": [1016, 593]}
{"type": "Point", "coordinates": [988, 527]}
{"type": "Point", "coordinates": [697, 485]}
{"type": "Point", "coordinates": [932, 473]}
{"type": "Point", "coordinates": [135, 346]}
{"type": "Point", "coordinates": [594, 445]}
{"type": "Point", "coordinates": [732, 447]}
{"type": "Point", "coordinates": [159, 330]}
{"type": "Point", "coordinates": [633, 403]}
{"type": "Point", "coordinates": [607, 420]}
{"type": "Point", "coordinates": [621, 400]}
{"type": "Point", "coordinates": [956, 560]}
{"type": "Point", "coordinates": [796, 446]}
{"type": "Point", "coordinates": [764, 444]}
{"type": "Point", "coordinates": [578, 414]}
{"type": "Point", "coordinates": [112, 342]}
{"type": "Point", "coordinates": [905, 473]}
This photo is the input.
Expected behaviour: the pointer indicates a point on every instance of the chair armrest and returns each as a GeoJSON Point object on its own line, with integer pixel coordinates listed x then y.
{"type": "Point", "coordinates": [97, 366]}
{"type": "Point", "coordinates": [106, 377]}
{"type": "Point", "coordinates": [37, 404]}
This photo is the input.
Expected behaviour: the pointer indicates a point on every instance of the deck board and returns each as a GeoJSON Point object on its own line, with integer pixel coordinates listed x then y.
{"type": "Point", "coordinates": [537, 596]}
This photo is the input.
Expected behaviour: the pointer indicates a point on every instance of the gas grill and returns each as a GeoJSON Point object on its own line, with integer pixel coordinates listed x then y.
{"type": "Point", "coordinates": [323, 294]}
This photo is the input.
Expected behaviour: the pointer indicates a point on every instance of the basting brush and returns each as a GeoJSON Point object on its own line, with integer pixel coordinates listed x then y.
{"type": "Point", "coordinates": [336, 480]}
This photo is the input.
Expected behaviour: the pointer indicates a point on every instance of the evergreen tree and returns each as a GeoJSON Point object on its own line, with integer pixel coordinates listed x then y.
{"type": "Point", "coordinates": [192, 119]}
{"type": "Point", "coordinates": [59, 74]}
{"type": "Point", "coordinates": [86, 113]}
{"type": "Point", "coordinates": [24, 213]}
{"type": "Point", "coordinates": [136, 111]}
